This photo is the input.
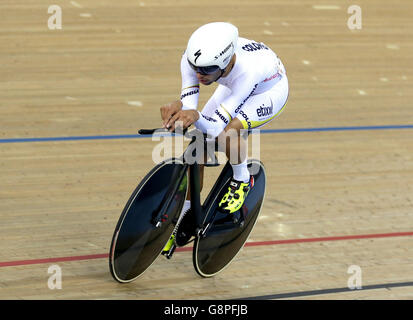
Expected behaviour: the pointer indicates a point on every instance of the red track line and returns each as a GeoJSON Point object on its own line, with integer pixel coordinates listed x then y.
{"type": "Point", "coordinates": [248, 244]}
{"type": "Point", "coordinates": [353, 237]}
{"type": "Point", "coordinates": [51, 260]}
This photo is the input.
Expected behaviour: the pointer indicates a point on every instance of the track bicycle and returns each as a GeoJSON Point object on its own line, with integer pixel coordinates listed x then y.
{"type": "Point", "coordinates": [151, 215]}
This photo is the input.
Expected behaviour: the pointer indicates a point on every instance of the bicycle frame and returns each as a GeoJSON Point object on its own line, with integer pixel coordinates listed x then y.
{"type": "Point", "coordinates": [194, 182]}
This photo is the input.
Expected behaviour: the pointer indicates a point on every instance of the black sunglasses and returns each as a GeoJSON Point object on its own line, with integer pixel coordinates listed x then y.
{"type": "Point", "coordinates": [204, 70]}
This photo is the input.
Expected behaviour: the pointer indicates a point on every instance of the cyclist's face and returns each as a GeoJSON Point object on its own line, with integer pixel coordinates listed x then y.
{"type": "Point", "coordinates": [207, 79]}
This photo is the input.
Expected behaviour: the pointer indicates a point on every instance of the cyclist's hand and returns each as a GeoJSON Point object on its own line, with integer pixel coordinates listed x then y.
{"type": "Point", "coordinates": [170, 109]}
{"type": "Point", "coordinates": [182, 119]}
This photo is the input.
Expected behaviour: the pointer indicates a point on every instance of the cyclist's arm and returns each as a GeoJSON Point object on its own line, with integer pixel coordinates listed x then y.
{"type": "Point", "coordinates": [188, 100]}
{"type": "Point", "coordinates": [190, 86]}
{"type": "Point", "coordinates": [242, 89]}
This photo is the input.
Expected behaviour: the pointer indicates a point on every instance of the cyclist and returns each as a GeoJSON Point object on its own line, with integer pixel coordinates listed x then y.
{"type": "Point", "coordinates": [252, 90]}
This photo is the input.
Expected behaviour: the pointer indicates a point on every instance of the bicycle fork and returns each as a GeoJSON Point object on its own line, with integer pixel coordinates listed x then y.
{"type": "Point", "coordinates": [194, 188]}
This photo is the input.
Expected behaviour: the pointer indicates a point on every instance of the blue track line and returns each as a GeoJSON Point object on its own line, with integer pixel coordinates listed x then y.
{"type": "Point", "coordinates": [137, 136]}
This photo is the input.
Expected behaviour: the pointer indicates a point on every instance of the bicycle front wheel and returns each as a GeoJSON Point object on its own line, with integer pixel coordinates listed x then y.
{"type": "Point", "coordinates": [138, 240]}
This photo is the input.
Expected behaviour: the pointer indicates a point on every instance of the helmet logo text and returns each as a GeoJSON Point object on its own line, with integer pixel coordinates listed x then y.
{"type": "Point", "coordinates": [223, 51]}
{"type": "Point", "coordinates": [197, 54]}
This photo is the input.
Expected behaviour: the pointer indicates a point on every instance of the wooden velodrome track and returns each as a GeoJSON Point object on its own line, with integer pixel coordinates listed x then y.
{"type": "Point", "coordinates": [335, 198]}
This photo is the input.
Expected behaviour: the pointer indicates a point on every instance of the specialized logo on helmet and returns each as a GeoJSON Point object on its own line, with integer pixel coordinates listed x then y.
{"type": "Point", "coordinates": [197, 54]}
{"type": "Point", "coordinates": [224, 51]}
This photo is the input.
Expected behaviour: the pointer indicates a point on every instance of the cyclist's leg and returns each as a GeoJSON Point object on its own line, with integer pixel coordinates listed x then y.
{"type": "Point", "coordinates": [261, 109]}
{"type": "Point", "coordinates": [234, 141]}
{"type": "Point", "coordinates": [258, 111]}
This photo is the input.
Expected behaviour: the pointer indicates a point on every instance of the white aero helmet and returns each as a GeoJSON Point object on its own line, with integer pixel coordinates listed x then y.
{"type": "Point", "coordinates": [212, 44]}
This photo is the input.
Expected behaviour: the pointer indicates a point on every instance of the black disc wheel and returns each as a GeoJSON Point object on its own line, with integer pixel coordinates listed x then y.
{"type": "Point", "coordinates": [225, 234]}
{"type": "Point", "coordinates": [147, 221]}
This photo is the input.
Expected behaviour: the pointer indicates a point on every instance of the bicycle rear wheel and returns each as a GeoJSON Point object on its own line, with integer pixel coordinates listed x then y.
{"type": "Point", "coordinates": [223, 238]}
{"type": "Point", "coordinates": [137, 240]}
